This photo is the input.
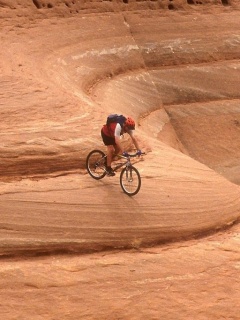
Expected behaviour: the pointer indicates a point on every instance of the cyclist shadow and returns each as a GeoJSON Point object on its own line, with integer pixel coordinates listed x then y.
{"type": "Point", "coordinates": [122, 216]}
{"type": "Point", "coordinates": [111, 187]}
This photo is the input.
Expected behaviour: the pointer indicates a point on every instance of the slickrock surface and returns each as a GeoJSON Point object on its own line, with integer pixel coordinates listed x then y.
{"type": "Point", "coordinates": [75, 248]}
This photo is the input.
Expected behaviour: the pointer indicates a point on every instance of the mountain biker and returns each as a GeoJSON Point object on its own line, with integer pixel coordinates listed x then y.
{"type": "Point", "coordinates": [111, 138]}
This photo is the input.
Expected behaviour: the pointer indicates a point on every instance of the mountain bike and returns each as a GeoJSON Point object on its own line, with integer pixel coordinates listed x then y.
{"type": "Point", "coordinates": [130, 179]}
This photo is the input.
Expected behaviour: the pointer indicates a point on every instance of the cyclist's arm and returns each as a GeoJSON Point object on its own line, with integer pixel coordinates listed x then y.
{"type": "Point", "coordinates": [119, 145]}
{"type": "Point", "coordinates": [117, 134]}
{"type": "Point", "coordinates": [134, 140]}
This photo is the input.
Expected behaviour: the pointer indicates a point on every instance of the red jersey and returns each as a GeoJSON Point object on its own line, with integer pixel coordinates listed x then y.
{"type": "Point", "coordinates": [112, 130]}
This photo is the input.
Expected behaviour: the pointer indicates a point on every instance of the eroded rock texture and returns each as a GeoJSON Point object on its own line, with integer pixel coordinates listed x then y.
{"type": "Point", "coordinates": [77, 248]}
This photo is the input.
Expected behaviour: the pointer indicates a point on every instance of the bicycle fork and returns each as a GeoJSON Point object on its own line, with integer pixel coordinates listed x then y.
{"type": "Point", "coordinates": [129, 173]}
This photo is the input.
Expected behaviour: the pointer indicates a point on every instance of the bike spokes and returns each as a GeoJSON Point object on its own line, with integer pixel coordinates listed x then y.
{"type": "Point", "coordinates": [96, 164]}
{"type": "Point", "coordinates": [130, 180]}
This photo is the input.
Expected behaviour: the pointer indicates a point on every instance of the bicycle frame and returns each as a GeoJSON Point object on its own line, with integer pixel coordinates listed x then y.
{"type": "Point", "coordinates": [126, 163]}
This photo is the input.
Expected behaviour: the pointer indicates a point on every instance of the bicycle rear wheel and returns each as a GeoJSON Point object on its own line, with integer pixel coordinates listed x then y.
{"type": "Point", "coordinates": [95, 164]}
{"type": "Point", "coordinates": [130, 180]}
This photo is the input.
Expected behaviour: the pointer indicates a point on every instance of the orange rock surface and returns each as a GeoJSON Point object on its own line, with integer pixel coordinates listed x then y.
{"type": "Point", "coordinates": [72, 247]}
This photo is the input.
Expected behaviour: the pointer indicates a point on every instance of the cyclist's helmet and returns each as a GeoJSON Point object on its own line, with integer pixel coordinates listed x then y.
{"type": "Point", "coordinates": [130, 123]}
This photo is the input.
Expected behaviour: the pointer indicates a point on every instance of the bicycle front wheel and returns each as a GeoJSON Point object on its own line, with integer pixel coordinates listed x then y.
{"type": "Point", "coordinates": [95, 164]}
{"type": "Point", "coordinates": [130, 180]}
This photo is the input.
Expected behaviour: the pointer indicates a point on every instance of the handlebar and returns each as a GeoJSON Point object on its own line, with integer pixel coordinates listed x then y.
{"type": "Point", "coordinates": [132, 155]}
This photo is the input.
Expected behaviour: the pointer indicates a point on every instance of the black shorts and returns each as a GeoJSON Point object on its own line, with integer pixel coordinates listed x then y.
{"type": "Point", "coordinates": [108, 141]}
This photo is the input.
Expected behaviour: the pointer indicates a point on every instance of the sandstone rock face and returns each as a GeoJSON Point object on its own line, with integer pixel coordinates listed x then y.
{"type": "Point", "coordinates": [77, 248]}
{"type": "Point", "coordinates": [72, 7]}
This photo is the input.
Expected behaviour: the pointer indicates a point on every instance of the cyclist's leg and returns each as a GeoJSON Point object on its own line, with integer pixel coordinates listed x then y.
{"type": "Point", "coordinates": [116, 149]}
{"type": "Point", "coordinates": [109, 143]}
{"type": "Point", "coordinates": [110, 153]}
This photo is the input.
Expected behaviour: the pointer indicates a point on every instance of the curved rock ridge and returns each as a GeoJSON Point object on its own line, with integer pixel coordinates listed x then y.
{"type": "Point", "coordinates": [59, 89]}
{"type": "Point", "coordinates": [81, 62]}
{"type": "Point", "coordinates": [178, 75]}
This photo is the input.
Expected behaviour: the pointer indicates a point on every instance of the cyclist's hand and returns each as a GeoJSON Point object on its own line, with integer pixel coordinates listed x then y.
{"type": "Point", "coordinates": [139, 152]}
{"type": "Point", "coordinates": [125, 154]}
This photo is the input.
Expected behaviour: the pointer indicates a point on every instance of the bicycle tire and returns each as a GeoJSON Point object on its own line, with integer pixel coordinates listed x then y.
{"type": "Point", "coordinates": [95, 164]}
{"type": "Point", "coordinates": [130, 180]}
